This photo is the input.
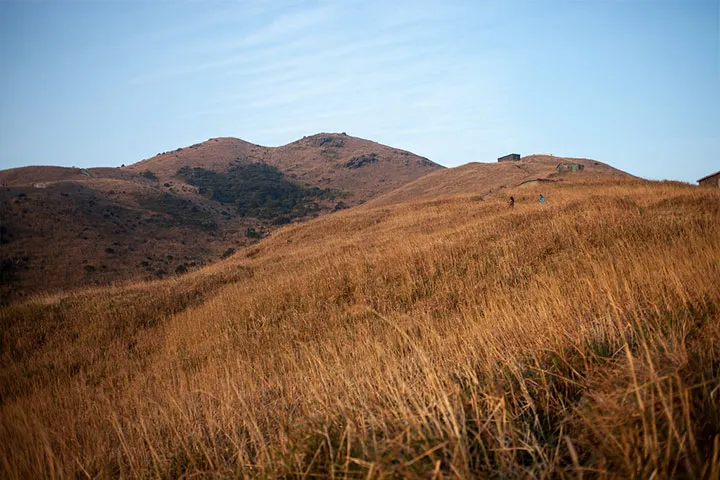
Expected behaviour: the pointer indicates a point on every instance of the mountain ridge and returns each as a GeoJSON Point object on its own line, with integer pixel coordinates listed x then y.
{"type": "Point", "coordinates": [63, 227]}
{"type": "Point", "coordinates": [177, 211]}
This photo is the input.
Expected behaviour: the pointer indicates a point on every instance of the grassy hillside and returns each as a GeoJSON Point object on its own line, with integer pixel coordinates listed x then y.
{"type": "Point", "coordinates": [67, 227]}
{"type": "Point", "coordinates": [98, 230]}
{"type": "Point", "coordinates": [486, 178]}
{"type": "Point", "coordinates": [447, 338]}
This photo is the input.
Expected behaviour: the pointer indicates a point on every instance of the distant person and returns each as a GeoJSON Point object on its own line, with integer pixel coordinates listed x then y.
{"type": "Point", "coordinates": [511, 203]}
{"type": "Point", "coordinates": [542, 199]}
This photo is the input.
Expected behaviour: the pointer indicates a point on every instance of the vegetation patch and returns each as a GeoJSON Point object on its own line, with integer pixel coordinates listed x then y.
{"type": "Point", "coordinates": [361, 161]}
{"type": "Point", "coordinates": [258, 190]}
{"type": "Point", "coordinates": [149, 175]}
{"type": "Point", "coordinates": [182, 211]}
{"type": "Point", "coordinates": [9, 268]}
{"type": "Point", "coordinates": [252, 233]}
{"type": "Point", "coordinates": [327, 141]}
{"type": "Point", "coordinates": [4, 235]}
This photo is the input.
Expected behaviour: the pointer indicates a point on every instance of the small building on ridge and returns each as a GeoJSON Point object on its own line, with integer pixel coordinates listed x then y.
{"type": "Point", "coordinates": [513, 157]}
{"type": "Point", "coordinates": [565, 167]}
{"type": "Point", "coordinates": [712, 180]}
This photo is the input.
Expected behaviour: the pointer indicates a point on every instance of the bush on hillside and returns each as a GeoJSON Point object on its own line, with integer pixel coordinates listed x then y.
{"type": "Point", "coordinates": [361, 161]}
{"type": "Point", "coordinates": [149, 175]}
{"type": "Point", "coordinates": [252, 233]}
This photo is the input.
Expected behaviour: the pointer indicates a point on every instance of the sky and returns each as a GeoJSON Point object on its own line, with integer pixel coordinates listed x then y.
{"type": "Point", "coordinates": [632, 83]}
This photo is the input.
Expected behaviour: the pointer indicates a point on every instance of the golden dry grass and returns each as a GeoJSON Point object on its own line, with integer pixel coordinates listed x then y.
{"type": "Point", "coordinates": [452, 338]}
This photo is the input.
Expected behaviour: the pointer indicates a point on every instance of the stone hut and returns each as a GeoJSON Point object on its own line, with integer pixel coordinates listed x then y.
{"type": "Point", "coordinates": [569, 167]}
{"type": "Point", "coordinates": [513, 157]}
{"type": "Point", "coordinates": [712, 180]}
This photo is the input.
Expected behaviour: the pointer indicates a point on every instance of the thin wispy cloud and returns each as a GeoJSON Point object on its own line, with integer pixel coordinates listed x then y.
{"type": "Point", "coordinates": [252, 45]}
{"type": "Point", "coordinates": [288, 26]}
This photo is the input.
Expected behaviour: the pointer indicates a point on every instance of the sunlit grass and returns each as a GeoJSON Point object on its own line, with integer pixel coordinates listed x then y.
{"type": "Point", "coordinates": [452, 338]}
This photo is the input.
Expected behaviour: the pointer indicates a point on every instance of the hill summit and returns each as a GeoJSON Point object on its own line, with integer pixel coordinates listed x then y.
{"type": "Point", "coordinates": [361, 168]}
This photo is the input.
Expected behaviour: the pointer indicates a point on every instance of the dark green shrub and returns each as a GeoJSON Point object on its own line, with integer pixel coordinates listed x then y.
{"type": "Point", "coordinates": [362, 160]}
{"type": "Point", "coordinates": [252, 233]}
{"type": "Point", "coordinates": [149, 175]}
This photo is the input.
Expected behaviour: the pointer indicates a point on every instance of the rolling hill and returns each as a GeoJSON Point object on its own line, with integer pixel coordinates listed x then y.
{"type": "Point", "coordinates": [444, 337]}
{"type": "Point", "coordinates": [485, 178]}
{"type": "Point", "coordinates": [68, 227]}
{"type": "Point", "coordinates": [361, 168]}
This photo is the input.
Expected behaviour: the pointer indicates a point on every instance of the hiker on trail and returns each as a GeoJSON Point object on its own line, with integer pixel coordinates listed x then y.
{"type": "Point", "coordinates": [542, 199]}
{"type": "Point", "coordinates": [511, 203]}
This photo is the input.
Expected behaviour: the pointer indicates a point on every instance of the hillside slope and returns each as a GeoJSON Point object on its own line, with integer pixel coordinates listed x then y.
{"type": "Point", "coordinates": [485, 178]}
{"type": "Point", "coordinates": [454, 337]}
{"type": "Point", "coordinates": [67, 227]}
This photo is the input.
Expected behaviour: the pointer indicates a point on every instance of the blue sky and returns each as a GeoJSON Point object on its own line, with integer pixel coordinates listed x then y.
{"type": "Point", "coordinates": [634, 83]}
